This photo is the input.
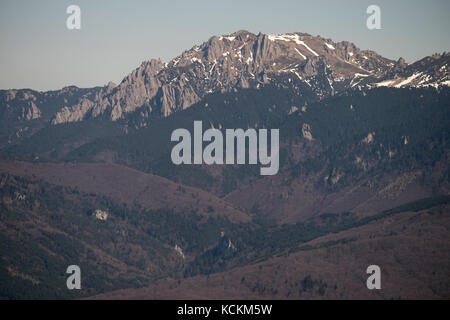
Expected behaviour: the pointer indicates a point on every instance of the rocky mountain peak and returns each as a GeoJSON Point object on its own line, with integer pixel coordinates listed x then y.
{"type": "Point", "coordinates": [401, 62]}
{"type": "Point", "coordinates": [239, 60]}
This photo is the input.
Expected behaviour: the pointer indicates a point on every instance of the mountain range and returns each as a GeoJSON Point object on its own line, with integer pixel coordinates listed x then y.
{"type": "Point", "coordinates": [86, 177]}
{"type": "Point", "coordinates": [223, 64]}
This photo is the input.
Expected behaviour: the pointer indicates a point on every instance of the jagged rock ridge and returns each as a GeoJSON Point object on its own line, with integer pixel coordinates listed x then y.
{"type": "Point", "coordinates": [239, 60]}
{"type": "Point", "coordinates": [222, 64]}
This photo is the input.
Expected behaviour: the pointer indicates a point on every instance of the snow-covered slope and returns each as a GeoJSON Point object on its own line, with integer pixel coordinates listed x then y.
{"type": "Point", "coordinates": [429, 72]}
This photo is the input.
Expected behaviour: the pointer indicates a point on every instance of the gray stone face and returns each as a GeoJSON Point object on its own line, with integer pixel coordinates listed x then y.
{"type": "Point", "coordinates": [238, 60]}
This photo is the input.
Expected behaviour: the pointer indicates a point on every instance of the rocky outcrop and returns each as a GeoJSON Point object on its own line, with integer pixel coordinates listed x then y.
{"type": "Point", "coordinates": [133, 92]}
{"type": "Point", "coordinates": [179, 251]}
{"type": "Point", "coordinates": [369, 138]}
{"type": "Point", "coordinates": [306, 132]}
{"type": "Point", "coordinates": [101, 215]}
{"type": "Point", "coordinates": [21, 105]}
{"type": "Point", "coordinates": [225, 245]}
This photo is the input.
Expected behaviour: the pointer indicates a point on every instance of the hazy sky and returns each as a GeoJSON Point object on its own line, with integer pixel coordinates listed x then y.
{"type": "Point", "coordinates": [39, 52]}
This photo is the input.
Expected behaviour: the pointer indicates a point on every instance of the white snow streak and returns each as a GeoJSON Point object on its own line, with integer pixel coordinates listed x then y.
{"type": "Point", "coordinates": [300, 54]}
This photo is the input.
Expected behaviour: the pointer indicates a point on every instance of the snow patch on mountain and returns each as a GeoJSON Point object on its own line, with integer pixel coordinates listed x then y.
{"type": "Point", "coordinates": [295, 38]}
{"type": "Point", "coordinates": [407, 80]}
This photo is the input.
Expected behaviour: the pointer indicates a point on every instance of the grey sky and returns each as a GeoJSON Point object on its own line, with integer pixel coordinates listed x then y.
{"type": "Point", "coordinates": [39, 52]}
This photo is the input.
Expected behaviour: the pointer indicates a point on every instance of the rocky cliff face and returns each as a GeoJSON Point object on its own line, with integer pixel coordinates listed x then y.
{"type": "Point", "coordinates": [239, 60]}
{"type": "Point", "coordinates": [21, 105]}
{"type": "Point", "coordinates": [24, 111]}
{"type": "Point", "coordinates": [223, 64]}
